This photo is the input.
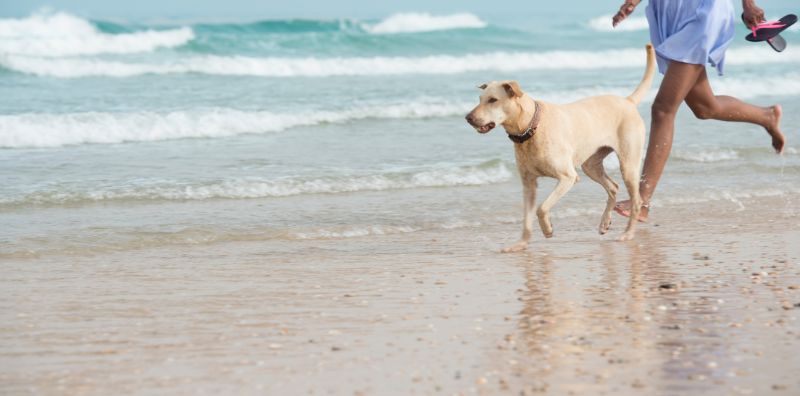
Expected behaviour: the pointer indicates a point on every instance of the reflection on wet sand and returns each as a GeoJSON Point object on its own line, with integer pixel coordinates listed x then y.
{"type": "Point", "coordinates": [575, 332]}
{"type": "Point", "coordinates": [633, 319]}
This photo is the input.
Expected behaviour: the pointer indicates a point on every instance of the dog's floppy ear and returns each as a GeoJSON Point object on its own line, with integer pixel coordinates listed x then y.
{"type": "Point", "coordinates": [483, 86]}
{"type": "Point", "coordinates": [512, 89]}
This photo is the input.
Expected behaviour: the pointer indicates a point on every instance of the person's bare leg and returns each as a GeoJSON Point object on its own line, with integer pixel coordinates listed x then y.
{"type": "Point", "coordinates": [677, 83]}
{"type": "Point", "coordinates": [706, 105]}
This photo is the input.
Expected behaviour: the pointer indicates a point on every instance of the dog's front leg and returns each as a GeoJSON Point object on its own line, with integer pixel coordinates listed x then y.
{"type": "Point", "coordinates": [565, 182]}
{"type": "Point", "coordinates": [529, 204]}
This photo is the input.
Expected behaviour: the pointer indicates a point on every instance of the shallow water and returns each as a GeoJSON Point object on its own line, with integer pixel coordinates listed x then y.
{"type": "Point", "coordinates": [321, 129]}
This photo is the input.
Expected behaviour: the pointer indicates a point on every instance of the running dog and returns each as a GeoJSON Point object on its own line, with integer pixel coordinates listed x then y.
{"type": "Point", "coordinates": [552, 140]}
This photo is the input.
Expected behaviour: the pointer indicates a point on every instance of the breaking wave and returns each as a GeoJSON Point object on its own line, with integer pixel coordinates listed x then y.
{"type": "Point", "coordinates": [55, 130]}
{"type": "Point", "coordinates": [603, 24]}
{"type": "Point", "coordinates": [424, 22]}
{"type": "Point", "coordinates": [60, 34]}
{"type": "Point", "coordinates": [489, 172]}
{"type": "Point", "coordinates": [71, 67]}
{"type": "Point", "coordinates": [707, 155]}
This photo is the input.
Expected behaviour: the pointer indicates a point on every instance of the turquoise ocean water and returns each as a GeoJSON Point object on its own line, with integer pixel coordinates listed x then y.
{"type": "Point", "coordinates": [126, 135]}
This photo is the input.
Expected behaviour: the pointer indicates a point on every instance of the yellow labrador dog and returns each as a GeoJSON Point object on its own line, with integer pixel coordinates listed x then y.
{"type": "Point", "coordinates": [552, 140]}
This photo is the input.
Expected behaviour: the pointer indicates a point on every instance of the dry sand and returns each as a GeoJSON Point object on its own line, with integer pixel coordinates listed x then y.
{"type": "Point", "coordinates": [705, 301]}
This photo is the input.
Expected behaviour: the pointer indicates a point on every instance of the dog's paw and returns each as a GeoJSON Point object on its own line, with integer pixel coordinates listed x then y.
{"type": "Point", "coordinates": [517, 247]}
{"type": "Point", "coordinates": [605, 225]}
{"type": "Point", "coordinates": [545, 225]}
{"type": "Point", "coordinates": [547, 229]}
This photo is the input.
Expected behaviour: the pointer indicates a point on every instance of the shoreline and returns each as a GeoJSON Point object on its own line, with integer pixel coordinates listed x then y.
{"type": "Point", "coordinates": [700, 306]}
{"type": "Point", "coordinates": [572, 218]}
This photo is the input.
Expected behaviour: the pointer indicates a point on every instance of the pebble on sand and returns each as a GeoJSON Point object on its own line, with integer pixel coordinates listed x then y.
{"type": "Point", "coordinates": [667, 286]}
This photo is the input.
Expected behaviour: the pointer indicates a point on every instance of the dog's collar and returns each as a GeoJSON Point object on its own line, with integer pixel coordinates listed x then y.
{"type": "Point", "coordinates": [522, 138]}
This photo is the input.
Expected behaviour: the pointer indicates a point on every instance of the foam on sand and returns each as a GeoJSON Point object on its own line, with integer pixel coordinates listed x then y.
{"type": "Point", "coordinates": [352, 232]}
{"type": "Point", "coordinates": [424, 22]}
{"type": "Point", "coordinates": [61, 34]}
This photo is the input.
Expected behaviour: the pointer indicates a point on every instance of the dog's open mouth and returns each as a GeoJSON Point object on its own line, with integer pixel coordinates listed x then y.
{"type": "Point", "coordinates": [486, 128]}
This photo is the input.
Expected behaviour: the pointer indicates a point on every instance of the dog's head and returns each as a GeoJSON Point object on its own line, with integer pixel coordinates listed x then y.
{"type": "Point", "coordinates": [498, 103]}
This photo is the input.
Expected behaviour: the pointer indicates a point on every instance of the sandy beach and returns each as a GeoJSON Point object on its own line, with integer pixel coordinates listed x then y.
{"type": "Point", "coordinates": [697, 304]}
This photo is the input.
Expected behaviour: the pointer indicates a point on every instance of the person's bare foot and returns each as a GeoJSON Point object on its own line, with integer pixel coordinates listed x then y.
{"type": "Point", "coordinates": [623, 208]}
{"type": "Point", "coordinates": [774, 129]}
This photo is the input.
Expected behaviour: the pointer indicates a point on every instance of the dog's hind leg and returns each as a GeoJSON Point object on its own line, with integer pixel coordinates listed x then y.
{"type": "Point", "coordinates": [630, 158]}
{"type": "Point", "coordinates": [565, 181]}
{"type": "Point", "coordinates": [593, 167]}
{"type": "Point", "coordinates": [529, 203]}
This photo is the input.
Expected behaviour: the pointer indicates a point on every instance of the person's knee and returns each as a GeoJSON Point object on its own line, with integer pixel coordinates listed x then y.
{"type": "Point", "coordinates": [702, 112]}
{"type": "Point", "coordinates": [661, 110]}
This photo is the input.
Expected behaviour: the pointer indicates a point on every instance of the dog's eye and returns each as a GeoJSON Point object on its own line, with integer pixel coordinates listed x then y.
{"type": "Point", "coordinates": [492, 100]}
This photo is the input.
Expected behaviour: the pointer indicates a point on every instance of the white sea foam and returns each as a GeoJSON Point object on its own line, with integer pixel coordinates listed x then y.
{"type": "Point", "coordinates": [55, 130]}
{"type": "Point", "coordinates": [424, 22]}
{"type": "Point", "coordinates": [61, 34]}
{"type": "Point", "coordinates": [732, 195]}
{"type": "Point", "coordinates": [323, 67]}
{"type": "Point", "coordinates": [370, 230]}
{"type": "Point", "coordinates": [743, 88]}
{"type": "Point", "coordinates": [706, 155]}
{"type": "Point", "coordinates": [364, 66]}
{"type": "Point", "coordinates": [352, 232]}
{"type": "Point", "coordinates": [784, 85]}
{"type": "Point", "coordinates": [603, 24]}
{"type": "Point", "coordinates": [442, 176]}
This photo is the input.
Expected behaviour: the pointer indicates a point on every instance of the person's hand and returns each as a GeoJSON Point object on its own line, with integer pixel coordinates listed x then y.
{"type": "Point", "coordinates": [624, 11]}
{"type": "Point", "coordinates": [752, 15]}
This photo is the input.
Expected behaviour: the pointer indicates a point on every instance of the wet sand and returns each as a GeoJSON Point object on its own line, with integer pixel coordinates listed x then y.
{"type": "Point", "coordinates": [705, 301]}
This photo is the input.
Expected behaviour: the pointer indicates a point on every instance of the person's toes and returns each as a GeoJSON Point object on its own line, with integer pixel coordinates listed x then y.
{"type": "Point", "coordinates": [778, 143]}
{"type": "Point", "coordinates": [778, 139]}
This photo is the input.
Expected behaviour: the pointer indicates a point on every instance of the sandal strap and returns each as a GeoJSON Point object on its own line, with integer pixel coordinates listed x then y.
{"type": "Point", "coordinates": [767, 25]}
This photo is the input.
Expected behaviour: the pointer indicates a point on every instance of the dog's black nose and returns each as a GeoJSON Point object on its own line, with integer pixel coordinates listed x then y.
{"type": "Point", "coordinates": [469, 118]}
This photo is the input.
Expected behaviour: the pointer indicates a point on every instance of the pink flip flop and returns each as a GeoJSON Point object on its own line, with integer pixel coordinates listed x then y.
{"type": "Point", "coordinates": [770, 32]}
{"type": "Point", "coordinates": [626, 213]}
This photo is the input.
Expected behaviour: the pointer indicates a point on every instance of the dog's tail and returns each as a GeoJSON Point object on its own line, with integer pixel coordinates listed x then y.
{"type": "Point", "coordinates": [647, 80]}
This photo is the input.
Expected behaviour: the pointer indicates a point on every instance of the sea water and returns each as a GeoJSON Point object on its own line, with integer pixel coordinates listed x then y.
{"type": "Point", "coordinates": [129, 135]}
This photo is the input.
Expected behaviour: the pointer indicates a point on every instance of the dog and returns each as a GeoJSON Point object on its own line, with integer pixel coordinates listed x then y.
{"type": "Point", "coordinates": [553, 139]}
